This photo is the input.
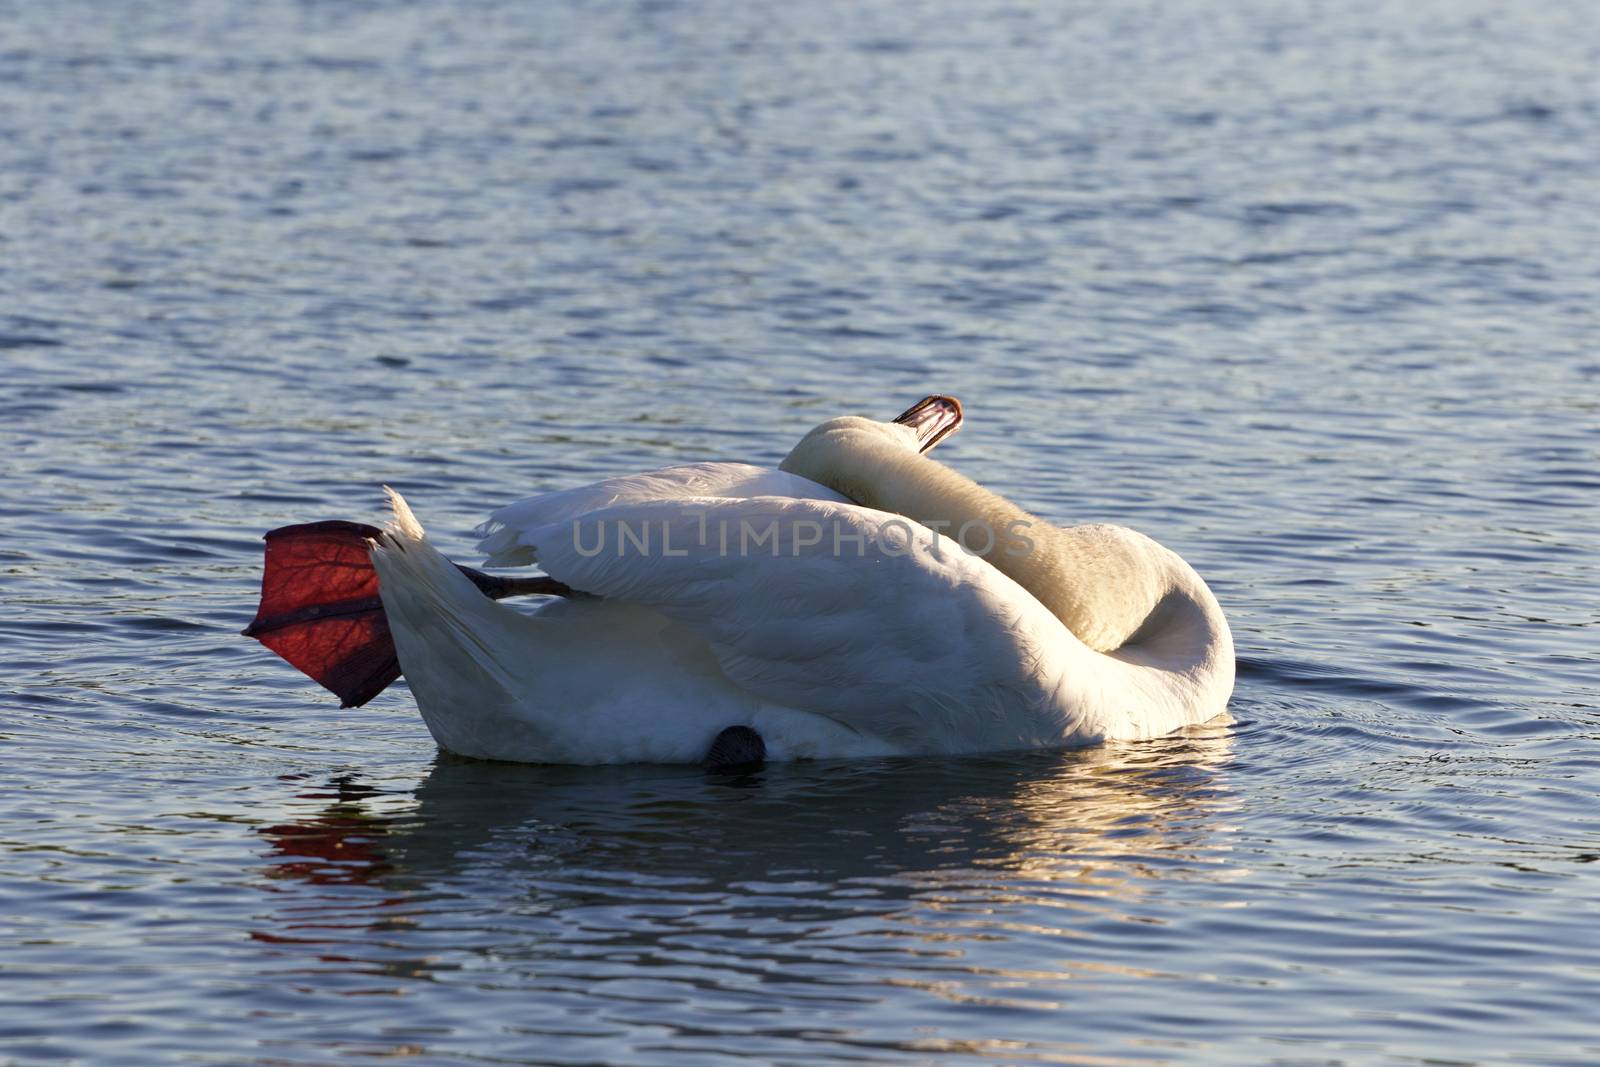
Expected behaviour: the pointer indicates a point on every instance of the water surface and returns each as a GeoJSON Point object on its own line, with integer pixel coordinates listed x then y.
{"type": "Point", "coordinates": [1305, 291]}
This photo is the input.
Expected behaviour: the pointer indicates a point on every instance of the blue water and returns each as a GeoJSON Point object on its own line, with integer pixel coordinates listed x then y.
{"type": "Point", "coordinates": [1306, 291]}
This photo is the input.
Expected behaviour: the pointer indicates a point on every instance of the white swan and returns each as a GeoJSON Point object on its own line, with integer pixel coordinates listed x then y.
{"type": "Point", "coordinates": [819, 606]}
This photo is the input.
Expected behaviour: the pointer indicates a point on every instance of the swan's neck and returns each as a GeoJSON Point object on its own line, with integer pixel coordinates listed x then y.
{"type": "Point", "coordinates": [1103, 582]}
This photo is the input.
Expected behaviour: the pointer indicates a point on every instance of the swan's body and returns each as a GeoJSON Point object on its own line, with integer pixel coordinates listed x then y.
{"type": "Point", "coordinates": [834, 621]}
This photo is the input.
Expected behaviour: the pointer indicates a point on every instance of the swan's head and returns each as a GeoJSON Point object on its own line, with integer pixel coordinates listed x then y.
{"type": "Point", "coordinates": [848, 453]}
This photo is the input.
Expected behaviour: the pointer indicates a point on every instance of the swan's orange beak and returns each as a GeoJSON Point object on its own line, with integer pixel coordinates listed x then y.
{"type": "Point", "coordinates": [933, 418]}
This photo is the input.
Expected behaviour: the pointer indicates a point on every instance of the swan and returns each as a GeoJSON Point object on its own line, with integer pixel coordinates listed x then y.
{"type": "Point", "coordinates": [863, 599]}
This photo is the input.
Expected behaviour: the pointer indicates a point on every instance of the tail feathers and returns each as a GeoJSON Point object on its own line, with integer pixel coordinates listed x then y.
{"type": "Point", "coordinates": [404, 524]}
{"type": "Point", "coordinates": [445, 627]}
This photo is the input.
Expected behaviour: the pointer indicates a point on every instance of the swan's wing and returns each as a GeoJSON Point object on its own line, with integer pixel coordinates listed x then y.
{"type": "Point", "coordinates": [506, 535]}
{"type": "Point", "coordinates": [856, 614]}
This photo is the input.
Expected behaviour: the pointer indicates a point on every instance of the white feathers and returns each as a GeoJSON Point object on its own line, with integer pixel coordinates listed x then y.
{"type": "Point", "coordinates": [731, 595]}
{"type": "Point", "coordinates": [833, 608]}
{"type": "Point", "coordinates": [504, 535]}
{"type": "Point", "coordinates": [404, 524]}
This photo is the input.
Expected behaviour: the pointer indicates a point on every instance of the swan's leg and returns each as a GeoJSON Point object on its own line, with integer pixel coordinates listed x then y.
{"type": "Point", "coordinates": [320, 608]}
{"type": "Point", "coordinates": [736, 748]}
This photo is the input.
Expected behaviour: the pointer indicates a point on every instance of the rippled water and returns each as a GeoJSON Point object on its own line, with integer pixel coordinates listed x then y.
{"type": "Point", "coordinates": [1306, 291]}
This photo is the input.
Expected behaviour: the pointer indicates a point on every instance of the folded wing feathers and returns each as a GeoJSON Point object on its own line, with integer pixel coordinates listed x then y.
{"type": "Point", "coordinates": [507, 535]}
{"type": "Point", "coordinates": [877, 641]}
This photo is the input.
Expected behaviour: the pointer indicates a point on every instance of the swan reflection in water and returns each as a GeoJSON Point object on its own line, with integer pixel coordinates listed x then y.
{"type": "Point", "coordinates": [564, 864]}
